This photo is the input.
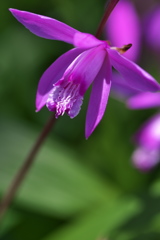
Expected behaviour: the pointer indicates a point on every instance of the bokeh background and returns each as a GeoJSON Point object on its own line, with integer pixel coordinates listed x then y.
{"type": "Point", "coordinates": [77, 189]}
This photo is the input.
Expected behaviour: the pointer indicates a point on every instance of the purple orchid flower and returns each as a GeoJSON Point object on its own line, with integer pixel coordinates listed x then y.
{"type": "Point", "coordinates": [147, 155]}
{"type": "Point", "coordinates": [62, 86]}
{"type": "Point", "coordinates": [123, 27]}
{"type": "Point", "coordinates": [144, 100]}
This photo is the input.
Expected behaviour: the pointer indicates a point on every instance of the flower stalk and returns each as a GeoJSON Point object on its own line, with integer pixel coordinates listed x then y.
{"type": "Point", "coordinates": [6, 200]}
{"type": "Point", "coordinates": [109, 8]}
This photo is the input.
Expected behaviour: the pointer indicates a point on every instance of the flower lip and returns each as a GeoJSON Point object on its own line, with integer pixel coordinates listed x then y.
{"type": "Point", "coordinates": [65, 97]}
{"type": "Point", "coordinates": [67, 93]}
{"type": "Point", "coordinates": [53, 74]}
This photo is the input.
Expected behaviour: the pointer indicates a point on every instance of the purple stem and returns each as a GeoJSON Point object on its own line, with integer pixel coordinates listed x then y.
{"type": "Point", "coordinates": [109, 8]}
{"type": "Point", "coordinates": [6, 200]}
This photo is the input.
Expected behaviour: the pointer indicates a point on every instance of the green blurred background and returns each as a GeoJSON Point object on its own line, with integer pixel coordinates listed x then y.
{"type": "Point", "coordinates": [77, 189]}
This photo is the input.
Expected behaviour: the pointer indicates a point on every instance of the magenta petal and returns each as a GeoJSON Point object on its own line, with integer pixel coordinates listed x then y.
{"type": "Point", "coordinates": [149, 134]}
{"type": "Point", "coordinates": [133, 75]}
{"type": "Point", "coordinates": [123, 27]}
{"type": "Point", "coordinates": [85, 67]}
{"type": "Point", "coordinates": [45, 27]}
{"type": "Point", "coordinates": [145, 159]}
{"type": "Point", "coordinates": [52, 75]}
{"type": "Point", "coordinates": [144, 100]}
{"type": "Point", "coordinates": [147, 155]}
{"type": "Point", "coordinates": [99, 97]}
{"type": "Point", "coordinates": [86, 40]}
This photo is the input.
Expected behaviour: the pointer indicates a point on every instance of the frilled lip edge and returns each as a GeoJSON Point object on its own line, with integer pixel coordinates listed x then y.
{"type": "Point", "coordinates": [52, 75]}
{"type": "Point", "coordinates": [65, 97]}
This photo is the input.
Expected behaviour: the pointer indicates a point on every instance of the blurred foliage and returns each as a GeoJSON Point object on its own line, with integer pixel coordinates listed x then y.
{"type": "Point", "coordinates": [77, 189]}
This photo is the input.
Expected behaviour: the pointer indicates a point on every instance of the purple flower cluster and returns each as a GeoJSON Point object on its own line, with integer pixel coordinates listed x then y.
{"type": "Point", "coordinates": [124, 26]}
